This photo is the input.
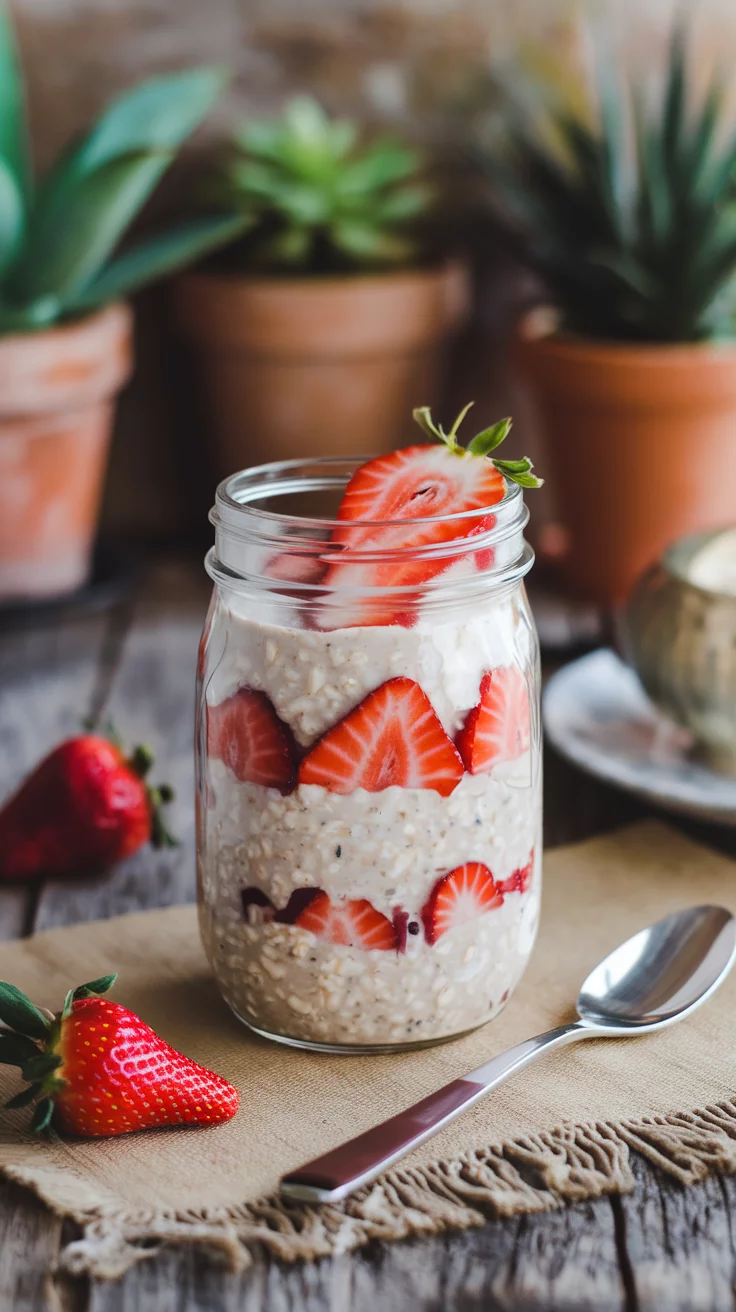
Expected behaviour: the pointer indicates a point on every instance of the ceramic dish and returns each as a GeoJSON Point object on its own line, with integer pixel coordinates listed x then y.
{"type": "Point", "coordinates": [598, 716]}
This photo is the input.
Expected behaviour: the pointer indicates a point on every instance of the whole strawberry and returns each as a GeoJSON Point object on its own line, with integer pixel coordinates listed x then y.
{"type": "Point", "coordinates": [85, 807]}
{"type": "Point", "coordinates": [97, 1069]}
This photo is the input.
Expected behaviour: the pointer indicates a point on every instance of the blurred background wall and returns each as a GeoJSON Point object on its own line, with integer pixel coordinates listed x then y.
{"type": "Point", "coordinates": [425, 65]}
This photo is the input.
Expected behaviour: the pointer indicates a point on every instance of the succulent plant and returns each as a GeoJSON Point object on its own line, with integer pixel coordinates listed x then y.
{"type": "Point", "coordinates": [317, 199]}
{"type": "Point", "coordinates": [630, 218]}
{"type": "Point", "coordinates": [59, 234]}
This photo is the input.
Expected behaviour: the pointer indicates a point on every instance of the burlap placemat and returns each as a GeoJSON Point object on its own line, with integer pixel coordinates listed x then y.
{"type": "Point", "coordinates": [561, 1130]}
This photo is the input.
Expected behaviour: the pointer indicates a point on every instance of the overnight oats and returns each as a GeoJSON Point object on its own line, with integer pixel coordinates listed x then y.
{"type": "Point", "coordinates": [368, 746]}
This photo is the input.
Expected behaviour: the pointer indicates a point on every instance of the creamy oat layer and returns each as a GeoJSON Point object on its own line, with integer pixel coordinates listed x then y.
{"type": "Point", "coordinates": [389, 847]}
{"type": "Point", "coordinates": [285, 981]}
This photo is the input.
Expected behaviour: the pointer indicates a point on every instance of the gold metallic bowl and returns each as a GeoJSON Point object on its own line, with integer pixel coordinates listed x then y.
{"type": "Point", "coordinates": [681, 639]}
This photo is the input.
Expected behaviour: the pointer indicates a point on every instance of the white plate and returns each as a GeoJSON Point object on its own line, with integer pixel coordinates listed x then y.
{"type": "Point", "coordinates": [597, 714]}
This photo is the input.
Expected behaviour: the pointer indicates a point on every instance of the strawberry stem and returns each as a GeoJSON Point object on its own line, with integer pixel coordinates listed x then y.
{"type": "Point", "coordinates": [141, 762]}
{"type": "Point", "coordinates": [515, 471]}
{"type": "Point", "coordinates": [37, 1053]}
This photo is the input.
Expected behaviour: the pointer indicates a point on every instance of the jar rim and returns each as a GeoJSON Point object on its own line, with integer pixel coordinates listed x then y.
{"type": "Point", "coordinates": [260, 482]}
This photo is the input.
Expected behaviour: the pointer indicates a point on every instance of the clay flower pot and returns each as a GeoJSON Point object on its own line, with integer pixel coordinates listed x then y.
{"type": "Point", "coordinates": [642, 446]}
{"type": "Point", "coordinates": [320, 366]}
{"type": "Point", "coordinates": [57, 389]}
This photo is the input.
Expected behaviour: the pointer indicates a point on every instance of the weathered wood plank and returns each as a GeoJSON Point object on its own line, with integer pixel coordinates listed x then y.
{"type": "Point", "coordinates": [679, 1244]}
{"type": "Point", "coordinates": [49, 678]}
{"type": "Point", "coordinates": [29, 1245]}
{"type": "Point", "coordinates": [151, 700]}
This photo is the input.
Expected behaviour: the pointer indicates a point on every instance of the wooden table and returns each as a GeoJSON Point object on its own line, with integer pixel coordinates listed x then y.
{"type": "Point", "coordinates": [663, 1247]}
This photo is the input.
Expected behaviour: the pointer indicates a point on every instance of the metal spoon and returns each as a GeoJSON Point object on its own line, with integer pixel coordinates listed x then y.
{"type": "Point", "coordinates": [654, 979]}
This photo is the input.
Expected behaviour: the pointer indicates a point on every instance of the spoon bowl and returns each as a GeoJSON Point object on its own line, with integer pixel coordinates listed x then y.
{"type": "Point", "coordinates": [662, 973]}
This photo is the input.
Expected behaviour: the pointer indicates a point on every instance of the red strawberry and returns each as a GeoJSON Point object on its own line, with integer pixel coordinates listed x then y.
{"type": "Point", "coordinates": [497, 729]}
{"type": "Point", "coordinates": [247, 735]}
{"type": "Point", "coordinates": [404, 498]}
{"type": "Point", "coordinates": [97, 1069]}
{"type": "Point", "coordinates": [463, 895]}
{"type": "Point", "coordinates": [355, 923]}
{"type": "Point", "coordinates": [85, 807]}
{"type": "Point", "coordinates": [520, 880]}
{"type": "Point", "coordinates": [392, 737]}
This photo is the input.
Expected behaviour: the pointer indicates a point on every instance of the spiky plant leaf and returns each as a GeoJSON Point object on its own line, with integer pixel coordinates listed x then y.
{"type": "Point", "coordinates": [14, 149]}
{"type": "Point", "coordinates": [631, 249]}
{"type": "Point", "coordinates": [159, 114]}
{"type": "Point", "coordinates": [11, 216]}
{"type": "Point", "coordinates": [56, 239]}
{"type": "Point", "coordinates": [76, 230]}
{"type": "Point", "coordinates": [154, 259]}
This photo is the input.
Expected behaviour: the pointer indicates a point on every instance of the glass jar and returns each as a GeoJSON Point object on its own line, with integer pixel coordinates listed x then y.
{"type": "Point", "coordinates": [339, 909]}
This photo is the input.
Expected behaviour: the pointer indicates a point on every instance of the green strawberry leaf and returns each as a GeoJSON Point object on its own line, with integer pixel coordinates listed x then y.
{"type": "Point", "coordinates": [23, 1098]}
{"type": "Point", "coordinates": [40, 1066]}
{"type": "Point", "coordinates": [20, 1014]}
{"type": "Point", "coordinates": [42, 1114]}
{"type": "Point", "coordinates": [487, 441]}
{"type": "Point", "coordinates": [519, 471]}
{"type": "Point", "coordinates": [95, 988]}
{"type": "Point", "coordinates": [15, 1049]}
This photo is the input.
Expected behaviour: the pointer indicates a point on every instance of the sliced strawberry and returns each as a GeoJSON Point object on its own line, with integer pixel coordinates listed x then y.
{"type": "Point", "coordinates": [400, 921]}
{"type": "Point", "coordinates": [247, 735]}
{"type": "Point", "coordinates": [402, 501]}
{"type": "Point", "coordinates": [458, 898]}
{"type": "Point", "coordinates": [416, 483]}
{"type": "Point", "coordinates": [497, 729]}
{"type": "Point", "coordinates": [293, 568]}
{"type": "Point", "coordinates": [393, 737]}
{"type": "Point", "coordinates": [520, 880]}
{"type": "Point", "coordinates": [405, 486]}
{"type": "Point", "coordinates": [354, 924]}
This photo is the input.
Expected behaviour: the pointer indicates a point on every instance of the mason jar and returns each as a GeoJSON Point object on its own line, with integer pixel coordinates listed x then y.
{"type": "Point", "coordinates": [368, 764]}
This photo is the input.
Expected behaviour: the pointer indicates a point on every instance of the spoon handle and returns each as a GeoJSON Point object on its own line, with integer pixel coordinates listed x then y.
{"type": "Point", "coordinates": [339, 1172]}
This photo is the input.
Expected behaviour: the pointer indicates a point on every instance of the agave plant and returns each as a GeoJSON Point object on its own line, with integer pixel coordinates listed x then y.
{"type": "Point", "coordinates": [59, 234]}
{"type": "Point", "coordinates": [630, 218]}
{"type": "Point", "coordinates": [316, 199]}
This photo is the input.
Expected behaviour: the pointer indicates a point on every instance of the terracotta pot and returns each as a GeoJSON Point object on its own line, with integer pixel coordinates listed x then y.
{"type": "Point", "coordinates": [642, 446]}
{"type": "Point", "coordinates": [56, 404]}
{"type": "Point", "coordinates": [320, 366]}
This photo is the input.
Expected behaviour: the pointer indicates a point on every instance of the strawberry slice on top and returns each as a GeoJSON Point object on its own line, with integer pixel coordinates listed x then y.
{"type": "Point", "coordinates": [247, 735]}
{"type": "Point", "coordinates": [498, 728]}
{"type": "Point", "coordinates": [399, 502]}
{"type": "Point", "coordinates": [393, 737]}
{"type": "Point", "coordinates": [459, 898]}
{"type": "Point", "coordinates": [354, 923]}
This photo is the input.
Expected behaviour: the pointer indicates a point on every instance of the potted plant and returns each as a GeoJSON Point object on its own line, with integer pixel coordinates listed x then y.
{"type": "Point", "coordinates": [630, 220]}
{"type": "Point", "coordinates": [324, 323]}
{"type": "Point", "coordinates": [65, 333]}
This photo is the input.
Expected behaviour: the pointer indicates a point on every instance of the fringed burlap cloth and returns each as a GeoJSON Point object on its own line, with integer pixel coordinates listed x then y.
{"type": "Point", "coordinates": [561, 1130]}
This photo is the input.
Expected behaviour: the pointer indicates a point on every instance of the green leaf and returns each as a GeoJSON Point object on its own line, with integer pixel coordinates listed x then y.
{"type": "Point", "coordinates": [14, 150]}
{"type": "Point", "coordinates": [379, 165]}
{"type": "Point", "coordinates": [158, 258]}
{"type": "Point", "coordinates": [422, 415]}
{"type": "Point", "coordinates": [96, 988]}
{"type": "Point", "coordinates": [42, 1114]}
{"type": "Point", "coordinates": [367, 241]}
{"type": "Point", "coordinates": [20, 1014]}
{"type": "Point", "coordinates": [158, 115]}
{"type": "Point", "coordinates": [15, 1049]}
{"type": "Point", "coordinates": [487, 441]}
{"type": "Point", "coordinates": [12, 216]}
{"type": "Point", "coordinates": [72, 235]}
{"type": "Point", "coordinates": [23, 1098]}
{"type": "Point", "coordinates": [37, 1068]}
{"type": "Point", "coordinates": [519, 471]}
